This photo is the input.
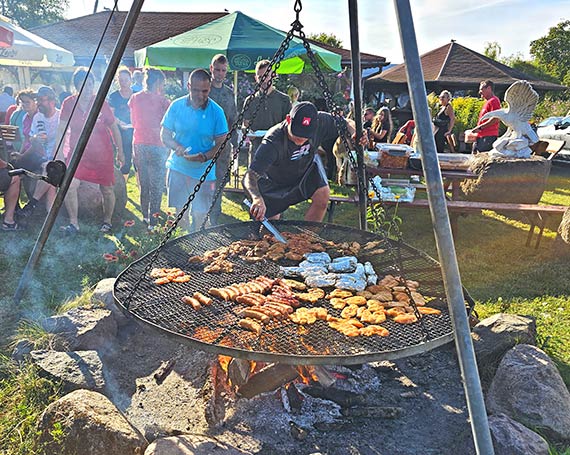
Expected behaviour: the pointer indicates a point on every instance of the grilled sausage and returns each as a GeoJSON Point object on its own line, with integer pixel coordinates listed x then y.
{"type": "Point", "coordinates": [254, 314]}
{"type": "Point", "coordinates": [251, 325]}
{"type": "Point", "coordinates": [203, 299]}
{"type": "Point", "coordinates": [192, 301]}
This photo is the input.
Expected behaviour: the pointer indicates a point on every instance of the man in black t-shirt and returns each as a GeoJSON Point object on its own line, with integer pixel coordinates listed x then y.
{"type": "Point", "coordinates": [286, 168]}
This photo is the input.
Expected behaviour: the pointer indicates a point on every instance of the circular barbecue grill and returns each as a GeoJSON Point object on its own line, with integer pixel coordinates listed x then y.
{"type": "Point", "coordinates": [215, 328]}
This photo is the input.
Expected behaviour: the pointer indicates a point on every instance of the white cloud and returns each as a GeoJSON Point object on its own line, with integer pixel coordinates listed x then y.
{"type": "Point", "coordinates": [472, 23]}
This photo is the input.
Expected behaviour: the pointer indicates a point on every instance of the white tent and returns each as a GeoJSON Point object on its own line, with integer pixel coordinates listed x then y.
{"type": "Point", "coordinates": [27, 49]}
{"type": "Point", "coordinates": [24, 50]}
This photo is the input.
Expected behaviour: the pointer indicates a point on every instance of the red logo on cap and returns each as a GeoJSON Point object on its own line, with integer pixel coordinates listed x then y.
{"type": "Point", "coordinates": [306, 121]}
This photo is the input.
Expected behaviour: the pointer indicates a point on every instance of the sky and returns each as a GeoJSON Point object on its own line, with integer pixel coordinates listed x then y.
{"type": "Point", "coordinates": [511, 23]}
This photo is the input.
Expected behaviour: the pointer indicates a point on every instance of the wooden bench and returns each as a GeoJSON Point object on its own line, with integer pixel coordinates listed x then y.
{"type": "Point", "coordinates": [536, 214]}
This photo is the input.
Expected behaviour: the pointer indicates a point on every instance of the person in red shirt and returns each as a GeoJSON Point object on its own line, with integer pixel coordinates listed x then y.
{"type": "Point", "coordinates": [97, 163]}
{"type": "Point", "coordinates": [147, 110]}
{"type": "Point", "coordinates": [488, 130]}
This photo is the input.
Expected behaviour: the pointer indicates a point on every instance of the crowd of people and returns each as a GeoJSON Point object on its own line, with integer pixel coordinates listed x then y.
{"type": "Point", "coordinates": [171, 144]}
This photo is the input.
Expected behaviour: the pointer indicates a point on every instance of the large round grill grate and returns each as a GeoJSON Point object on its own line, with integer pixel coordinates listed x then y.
{"type": "Point", "coordinates": [214, 328]}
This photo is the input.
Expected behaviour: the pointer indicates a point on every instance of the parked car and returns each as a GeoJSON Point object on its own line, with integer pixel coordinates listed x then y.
{"type": "Point", "coordinates": [549, 121]}
{"type": "Point", "coordinates": [559, 130]}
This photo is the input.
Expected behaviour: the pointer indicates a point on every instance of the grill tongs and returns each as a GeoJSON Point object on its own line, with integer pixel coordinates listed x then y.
{"type": "Point", "coordinates": [267, 224]}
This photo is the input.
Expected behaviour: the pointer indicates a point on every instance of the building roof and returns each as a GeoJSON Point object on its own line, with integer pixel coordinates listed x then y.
{"type": "Point", "coordinates": [366, 60]}
{"type": "Point", "coordinates": [454, 66]}
{"type": "Point", "coordinates": [81, 35]}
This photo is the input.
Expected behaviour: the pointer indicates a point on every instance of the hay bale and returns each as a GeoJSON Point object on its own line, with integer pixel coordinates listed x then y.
{"type": "Point", "coordinates": [507, 180]}
{"type": "Point", "coordinates": [564, 228]}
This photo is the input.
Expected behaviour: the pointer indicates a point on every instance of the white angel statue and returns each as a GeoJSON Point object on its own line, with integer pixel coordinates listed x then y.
{"type": "Point", "coordinates": [521, 100]}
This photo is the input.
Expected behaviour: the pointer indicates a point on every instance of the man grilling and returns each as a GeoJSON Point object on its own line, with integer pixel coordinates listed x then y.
{"type": "Point", "coordinates": [287, 170]}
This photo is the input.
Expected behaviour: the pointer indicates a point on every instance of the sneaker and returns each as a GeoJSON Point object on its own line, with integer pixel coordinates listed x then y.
{"type": "Point", "coordinates": [70, 229]}
{"type": "Point", "coordinates": [27, 210]}
{"type": "Point", "coordinates": [106, 228]}
{"type": "Point", "coordinates": [8, 227]}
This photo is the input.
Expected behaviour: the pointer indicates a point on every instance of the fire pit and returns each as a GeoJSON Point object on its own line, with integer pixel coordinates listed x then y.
{"type": "Point", "coordinates": [214, 328]}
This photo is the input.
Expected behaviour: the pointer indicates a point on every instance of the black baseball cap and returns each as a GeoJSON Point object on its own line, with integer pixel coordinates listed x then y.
{"type": "Point", "coordinates": [304, 119]}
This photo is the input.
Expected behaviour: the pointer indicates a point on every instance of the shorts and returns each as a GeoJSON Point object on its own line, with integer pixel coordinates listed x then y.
{"type": "Point", "coordinates": [484, 144]}
{"type": "Point", "coordinates": [180, 187]}
{"type": "Point", "coordinates": [5, 180]}
{"type": "Point", "coordinates": [279, 199]}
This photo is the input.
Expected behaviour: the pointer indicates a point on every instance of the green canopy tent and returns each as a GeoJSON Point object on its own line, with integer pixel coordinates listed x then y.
{"type": "Point", "coordinates": [242, 39]}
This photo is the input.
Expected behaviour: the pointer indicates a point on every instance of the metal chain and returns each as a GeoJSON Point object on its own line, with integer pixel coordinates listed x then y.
{"type": "Point", "coordinates": [378, 215]}
{"type": "Point", "coordinates": [275, 62]}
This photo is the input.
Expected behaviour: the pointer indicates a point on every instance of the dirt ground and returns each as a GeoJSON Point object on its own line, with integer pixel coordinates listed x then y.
{"type": "Point", "coordinates": [410, 406]}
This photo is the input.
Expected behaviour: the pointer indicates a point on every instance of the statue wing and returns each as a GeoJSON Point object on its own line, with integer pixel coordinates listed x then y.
{"type": "Point", "coordinates": [522, 100]}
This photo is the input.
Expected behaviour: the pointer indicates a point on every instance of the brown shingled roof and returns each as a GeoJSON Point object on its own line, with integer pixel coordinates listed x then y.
{"type": "Point", "coordinates": [81, 35]}
{"type": "Point", "coordinates": [454, 66]}
{"type": "Point", "coordinates": [366, 60]}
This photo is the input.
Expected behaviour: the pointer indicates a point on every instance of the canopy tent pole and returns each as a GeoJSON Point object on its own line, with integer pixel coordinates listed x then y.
{"type": "Point", "coordinates": [114, 62]}
{"type": "Point", "coordinates": [357, 89]}
{"type": "Point", "coordinates": [443, 234]}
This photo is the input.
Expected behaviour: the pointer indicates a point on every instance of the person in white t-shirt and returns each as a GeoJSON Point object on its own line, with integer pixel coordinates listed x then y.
{"type": "Point", "coordinates": [43, 137]}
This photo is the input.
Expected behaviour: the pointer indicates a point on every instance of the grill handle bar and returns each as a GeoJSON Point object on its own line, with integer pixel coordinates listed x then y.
{"type": "Point", "coordinates": [443, 234]}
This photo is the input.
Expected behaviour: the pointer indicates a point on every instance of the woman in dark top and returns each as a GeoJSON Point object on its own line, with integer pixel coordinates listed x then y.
{"type": "Point", "coordinates": [381, 129]}
{"type": "Point", "coordinates": [118, 101]}
{"type": "Point", "coordinates": [443, 121]}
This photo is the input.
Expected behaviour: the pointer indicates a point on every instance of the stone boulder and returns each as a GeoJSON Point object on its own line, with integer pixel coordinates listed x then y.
{"type": "Point", "coordinates": [91, 202]}
{"type": "Point", "coordinates": [504, 179]}
{"type": "Point", "coordinates": [83, 328]}
{"type": "Point", "coordinates": [191, 445]}
{"type": "Point", "coordinates": [91, 425]}
{"type": "Point", "coordinates": [512, 438]}
{"type": "Point", "coordinates": [528, 388]}
{"type": "Point", "coordinates": [103, 294]}
{"type": "Point", "coordinates": [495, 335]}
{"type": "Point", "coordinates": [76, 369]}
{"type": "Point", "coordinates": [564, 227]}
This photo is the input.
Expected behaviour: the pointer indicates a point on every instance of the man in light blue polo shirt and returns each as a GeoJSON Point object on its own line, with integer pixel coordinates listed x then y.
{"type": "Point", "coordinates": [193, 128]}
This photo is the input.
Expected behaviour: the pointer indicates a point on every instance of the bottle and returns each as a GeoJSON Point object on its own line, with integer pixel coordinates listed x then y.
{"type": "Point", "coordinates": [370, 139]}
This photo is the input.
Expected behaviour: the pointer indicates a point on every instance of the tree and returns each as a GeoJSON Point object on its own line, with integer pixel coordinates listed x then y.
{"type": "Point", "coordinates": [492, 50]}
{"type": "Point", "coordinates": [32, 13]}
{"type": "Point", "coordinates": [552, 52]}
{"type": "Point", "coordinates": [326, 38]}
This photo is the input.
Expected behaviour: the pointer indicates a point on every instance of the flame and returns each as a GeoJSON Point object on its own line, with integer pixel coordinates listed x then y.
{"type": "Point", "coordinates": [307, 374]}
{"type": "Point", "coordinates": [224, 361]}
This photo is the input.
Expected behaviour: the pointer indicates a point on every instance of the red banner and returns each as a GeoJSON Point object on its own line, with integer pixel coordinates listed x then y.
{"type": "Point", "coordinates": [6, 37]}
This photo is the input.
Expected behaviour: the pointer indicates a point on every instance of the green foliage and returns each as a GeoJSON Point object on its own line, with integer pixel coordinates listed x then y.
{"type": "Point", "coordinates": [492, 50]}
{"type": "Point", "coordinates": [550, 108]}
{"type": "Point", "coordinates": [552, 52]}
{"type": "Point", "coordinates": [33, 13]}
{"type": "Point", "coordinates": [23, 397]}
{"type": "Point", "coordinates": [327, 38]}
{"type": "Point", "coordinates": [466, 113]}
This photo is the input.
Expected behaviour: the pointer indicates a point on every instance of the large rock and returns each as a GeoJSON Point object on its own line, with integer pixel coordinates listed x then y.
{"type": "Point", "coordinates": [528, 388]}
{"type": "Point", "coordinates": [83, 328]}
{"type": "Point", "coordinates": [191, 445]}
{"type": "Point", "coordinates": [91, 425]}
{"type": "Point", "coordinates": [76, 370]}
{"type": "Point", "coordinates": [564, 228]}
{"type": "Point", "coordinates": [91, 202]}
{"type": "Point", "coordinates": [512, 438]}
{"type": "Point", "coordinates": [495, 335]}
{"type": "Point", "coordinates": [510, 180]}
{"type": "Point", "coordinates": [104, 294]}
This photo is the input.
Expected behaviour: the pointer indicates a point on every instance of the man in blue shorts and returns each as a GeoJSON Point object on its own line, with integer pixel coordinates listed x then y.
{"type": "Point", "coordinates": [193, 127]}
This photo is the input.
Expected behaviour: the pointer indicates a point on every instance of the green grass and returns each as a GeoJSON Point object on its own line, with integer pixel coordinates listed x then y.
{"type": "Point", "coordinates": [500, 273]}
